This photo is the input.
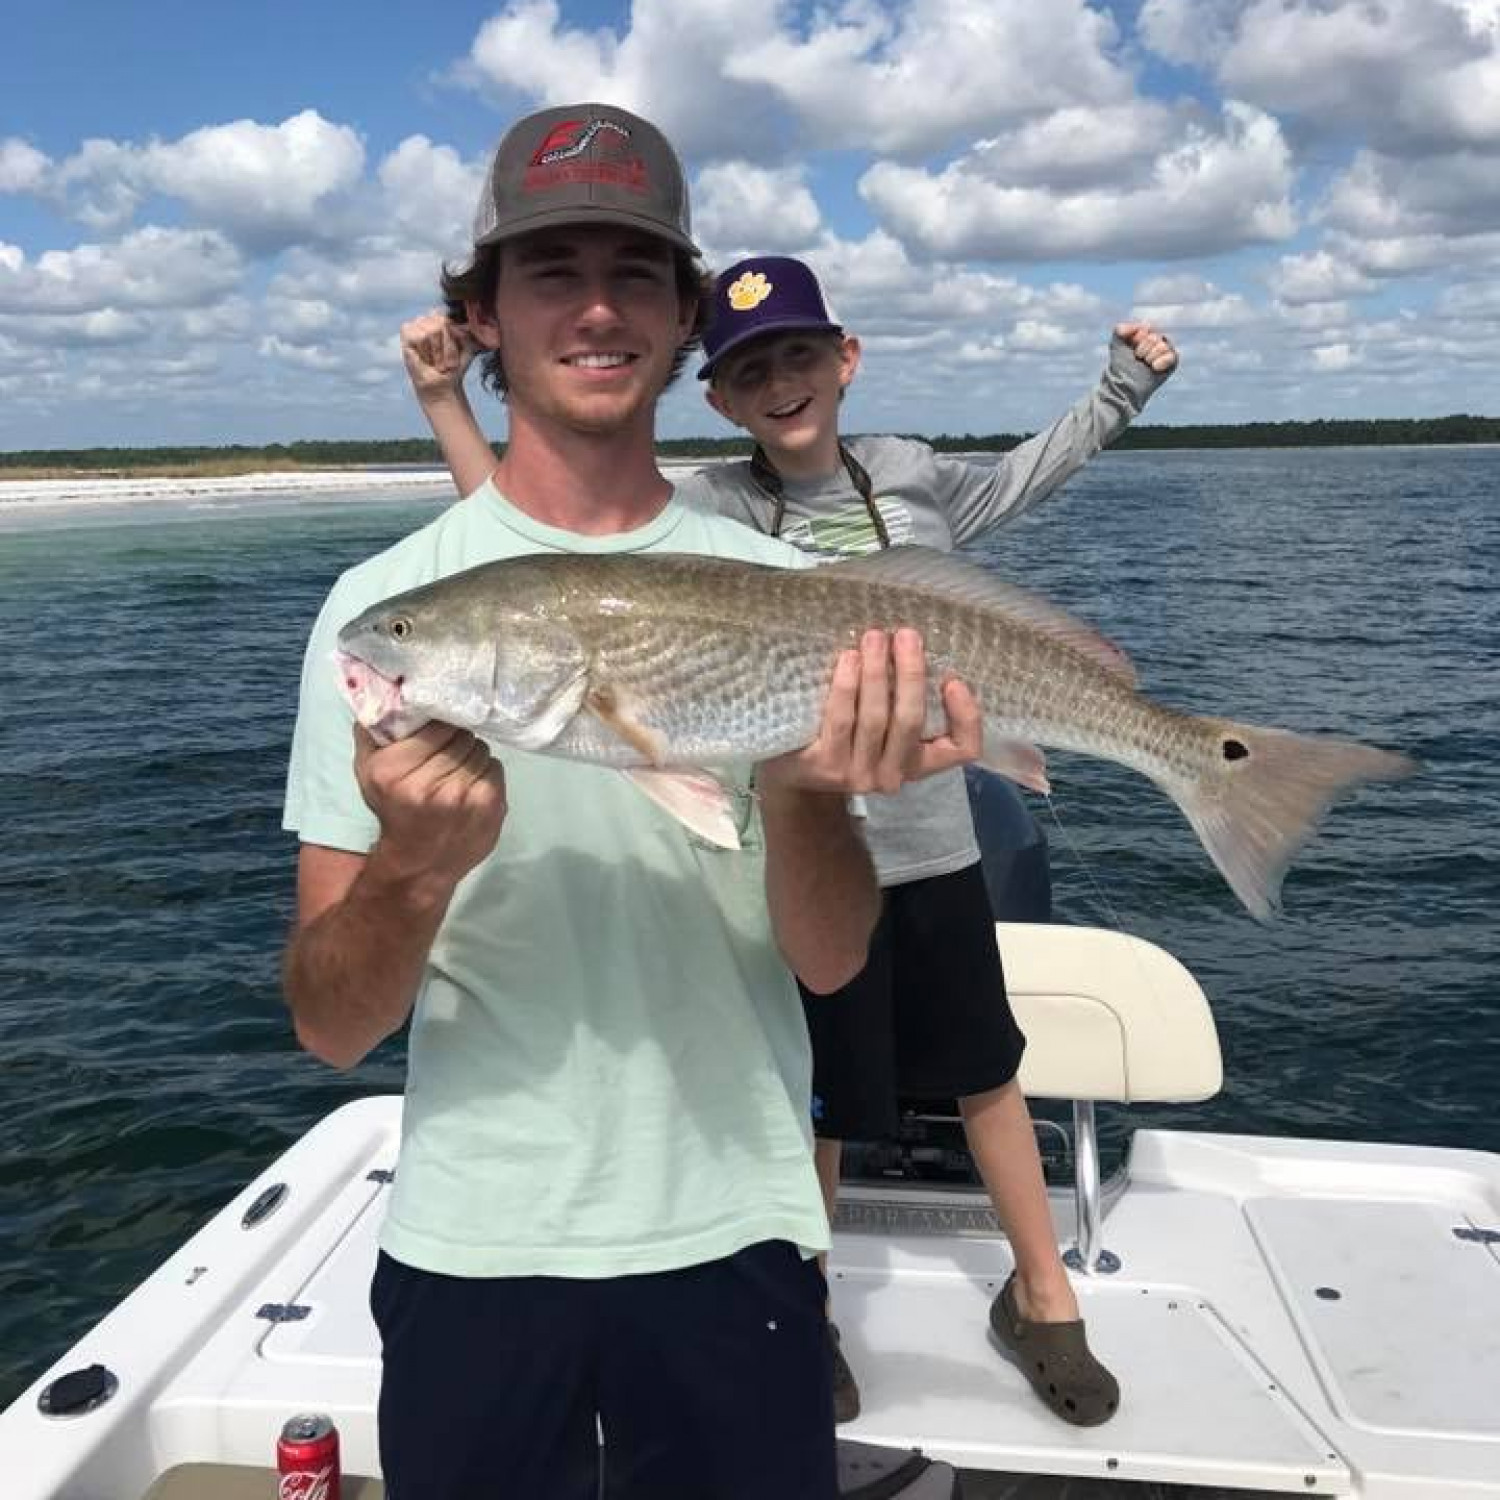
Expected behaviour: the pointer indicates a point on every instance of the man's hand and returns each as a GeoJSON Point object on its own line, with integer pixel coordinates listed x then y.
{"type": "Point", "coordinates": [1151, 347]}
{"type": "Point", "coordinates": [366, 922]}
{"type": "Point", "coordinates": [440, 799]}
{"type": "Point", "coordinates": [437, 353]}
{"type": "Point", "coordinates": [871, 739]}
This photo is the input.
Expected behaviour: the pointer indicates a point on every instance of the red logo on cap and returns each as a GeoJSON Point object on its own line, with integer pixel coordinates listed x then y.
{"type": "Point", "coordinates": [574, 137]}
{"type": "Point", "coordinates": [558, 160]}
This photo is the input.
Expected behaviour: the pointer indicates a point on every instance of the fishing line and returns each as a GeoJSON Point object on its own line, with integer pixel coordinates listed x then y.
{"type": "Point", "coordinates": [1083, 864]}
{"type": "Point", "coordinates": [1142, 973]}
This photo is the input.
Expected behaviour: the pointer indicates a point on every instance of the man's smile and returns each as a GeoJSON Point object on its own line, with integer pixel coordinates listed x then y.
{"type": "Point", "coordinates": [611, 360]}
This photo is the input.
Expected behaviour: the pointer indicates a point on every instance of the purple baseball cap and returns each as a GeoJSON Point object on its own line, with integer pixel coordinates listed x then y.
{"type": "Point", "coordinates": [764, 294]}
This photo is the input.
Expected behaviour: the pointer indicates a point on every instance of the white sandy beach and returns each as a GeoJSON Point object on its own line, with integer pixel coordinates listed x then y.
{"type": "Point", "coordinates": [50, 494]}
{"type": "Point", "coordinates": [23, 500]}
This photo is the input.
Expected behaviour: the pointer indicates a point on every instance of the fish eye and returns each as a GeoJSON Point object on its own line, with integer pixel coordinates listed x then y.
{"type": "Point", "coordinates": [400, 627]}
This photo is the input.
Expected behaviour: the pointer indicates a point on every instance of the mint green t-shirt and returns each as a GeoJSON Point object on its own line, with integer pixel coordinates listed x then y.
{"type": "Point", "coordinates": [608, 1066]}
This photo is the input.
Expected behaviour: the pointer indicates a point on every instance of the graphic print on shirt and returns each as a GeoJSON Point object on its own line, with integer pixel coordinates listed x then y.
{"type": "Point", "coordinates": [848, 531]}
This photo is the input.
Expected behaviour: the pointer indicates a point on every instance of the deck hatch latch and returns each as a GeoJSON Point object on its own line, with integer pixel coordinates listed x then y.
{"type": "Point", "coordinates": [283, 1312]}
{"type": "Point", "coordinates": [1475, 1235]}
{"type": "Point", "coordinates": [265, 1205]}
{"type": "Point", "coordinates": [382, 1175]}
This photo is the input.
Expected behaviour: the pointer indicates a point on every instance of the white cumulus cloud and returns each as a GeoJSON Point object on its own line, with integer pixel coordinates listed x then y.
{"type": "Point", "coordinates": [904, 76]}
{"type": "Point", "coordinates": [428, 193]}
{"type": "Point", "coordinates": [1317, 277]}
{"type": "Point", "coordinates": [925, 74]}
{"type": "Point", "coordinates": [263, 186]}
{"type": "Point", "coordinates": [1207, 193]}
{"type": "Point", "coordinates": [23, 169]}
{"type": "Point", "coordinates": [1335, 357]}
{"type": "Point", "coordinates": [669, 65]}
{"type": "Point", "coordinates": [1408, 76]}
{"type": "Point", "coordinates": [1186, 300]}
{"type": "Point", "coordinates": [151, 268]}
{"type": "Point", "coordinates": [740, 209]}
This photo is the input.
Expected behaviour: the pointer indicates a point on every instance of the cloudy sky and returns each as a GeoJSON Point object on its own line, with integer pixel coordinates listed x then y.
{"type": "Point", "coordinates": [213, 217]}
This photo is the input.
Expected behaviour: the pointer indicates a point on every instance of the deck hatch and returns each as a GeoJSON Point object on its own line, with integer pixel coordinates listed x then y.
{"type": "Point", "coordinates": [1198, 1409]}
{"type": "Point", "coordinates": [1413, 1289]}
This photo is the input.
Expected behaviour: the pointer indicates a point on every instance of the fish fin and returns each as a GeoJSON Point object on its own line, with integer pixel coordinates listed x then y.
{"type": "Point", "coordinates": [967, 583]}
{"type": "Point", "coordinates": [1018, 761]}
{"type": "Point", "coordinates": [1265, 797]}
{"type": "Point", "coordinates": [699, 801]}
{"type": "Point", "coordinates": [605, 705]}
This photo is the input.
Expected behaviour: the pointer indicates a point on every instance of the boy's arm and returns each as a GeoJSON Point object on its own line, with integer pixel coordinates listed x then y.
{"type": "Point", "coordinates": [975, 499]}
{"type": "Point", "coordinates": [437, 353]}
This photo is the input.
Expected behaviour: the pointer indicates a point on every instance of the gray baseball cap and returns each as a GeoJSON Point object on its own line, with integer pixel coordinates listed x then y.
{"type": "Point", "coordinates": [584, 164]}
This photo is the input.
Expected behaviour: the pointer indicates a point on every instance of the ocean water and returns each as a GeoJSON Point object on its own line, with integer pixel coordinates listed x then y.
{"type": "Point", "coordinates": [147, 691]}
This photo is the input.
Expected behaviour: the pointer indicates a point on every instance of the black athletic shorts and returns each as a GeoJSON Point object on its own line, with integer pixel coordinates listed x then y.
{"type": "Point", "coordinates": [927, 1017]}
{"type": "Point", "coordinates": [714, 1382]}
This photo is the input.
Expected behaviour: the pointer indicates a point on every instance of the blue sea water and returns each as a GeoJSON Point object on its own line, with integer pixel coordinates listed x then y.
{"type": "Point", "coordinates": [147, 689]}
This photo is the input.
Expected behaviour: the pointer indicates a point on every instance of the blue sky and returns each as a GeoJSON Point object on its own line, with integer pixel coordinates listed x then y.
{"type": "Point", "coordinates": [213, 218]}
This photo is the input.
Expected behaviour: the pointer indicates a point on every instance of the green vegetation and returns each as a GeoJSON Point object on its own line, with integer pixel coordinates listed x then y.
{"type": "Point", "coordinates": [239, 459]}
{"type": "Point", "coordinates": [235, 458]}
{"type": "Point", "coordinates": [1316, 434]}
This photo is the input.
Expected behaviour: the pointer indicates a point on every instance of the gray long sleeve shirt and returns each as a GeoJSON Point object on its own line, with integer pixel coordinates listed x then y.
{"type": "Point", "coordinates": [930, 500]}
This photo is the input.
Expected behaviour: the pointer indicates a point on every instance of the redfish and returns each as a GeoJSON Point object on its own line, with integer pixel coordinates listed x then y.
{"type": "Point", "coordinates": [666, 664]}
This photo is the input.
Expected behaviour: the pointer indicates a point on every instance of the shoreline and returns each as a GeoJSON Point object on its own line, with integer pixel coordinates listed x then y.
{"type": "Point", "coordinates": [85, 495]}
{"type": "Point", "coordinates": [69, 490]}
{"type": "Point", "coordinates": [38, 505]}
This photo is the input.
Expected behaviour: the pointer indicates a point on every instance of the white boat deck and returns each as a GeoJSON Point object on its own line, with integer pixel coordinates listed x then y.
{"type": "Point", "coordinates": [1289, 1317]}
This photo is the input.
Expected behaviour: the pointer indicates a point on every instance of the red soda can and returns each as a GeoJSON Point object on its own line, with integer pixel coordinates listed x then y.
{"type": "Point", "coordinates": [307, 1458]}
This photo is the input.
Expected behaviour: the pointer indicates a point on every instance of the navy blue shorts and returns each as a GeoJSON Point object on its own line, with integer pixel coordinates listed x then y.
{"type": "Point", "coordinates": [709, 1383]}
{"type": "Point", "coordinates": [927, 1017]}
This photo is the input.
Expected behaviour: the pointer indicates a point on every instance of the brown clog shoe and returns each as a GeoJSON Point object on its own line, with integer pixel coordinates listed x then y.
{"type": "Point", "coordinates": [1056, 1359]}
{"type": "Point", "coordinates": [845, 1388]}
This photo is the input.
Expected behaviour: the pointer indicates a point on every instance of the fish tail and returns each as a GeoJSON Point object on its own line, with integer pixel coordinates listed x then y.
{"type": "Point", "coordinates": [1264, 796]}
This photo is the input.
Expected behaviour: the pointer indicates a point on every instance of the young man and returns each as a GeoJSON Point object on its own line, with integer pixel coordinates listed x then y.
{"type": "Point", "coordinates": [605, 1216]}
{"type": "Point", "coordinates": [928, 1016]}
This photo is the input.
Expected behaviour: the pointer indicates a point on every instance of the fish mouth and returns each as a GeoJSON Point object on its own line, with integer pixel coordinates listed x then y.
{"type": "Point", "coordinates": [377, 701]}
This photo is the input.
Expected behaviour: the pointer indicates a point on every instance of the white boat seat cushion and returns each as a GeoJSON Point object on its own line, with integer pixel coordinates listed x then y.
{"type": "Point", "coordinates": [1107, 1017]}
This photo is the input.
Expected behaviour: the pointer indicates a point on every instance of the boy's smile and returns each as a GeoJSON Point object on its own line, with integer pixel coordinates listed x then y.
{"type": "Point", "coordinates": [791, 408]}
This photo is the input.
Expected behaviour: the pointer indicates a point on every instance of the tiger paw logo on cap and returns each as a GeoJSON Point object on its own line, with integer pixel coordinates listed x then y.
{"type": "Point", "coordinates": [750, 291]}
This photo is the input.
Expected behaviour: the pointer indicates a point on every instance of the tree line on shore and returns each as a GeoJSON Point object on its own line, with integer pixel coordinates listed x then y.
{"type": "Point", "coordinates": [354, 452]}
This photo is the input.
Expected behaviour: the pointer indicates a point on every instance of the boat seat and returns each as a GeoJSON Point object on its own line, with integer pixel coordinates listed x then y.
{"type": "Point", "coordinates": [1107, 1017]}
{"type": "Point", "coordinates": [242, 1482]}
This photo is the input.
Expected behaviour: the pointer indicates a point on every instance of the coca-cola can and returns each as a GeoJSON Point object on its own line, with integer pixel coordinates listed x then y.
{"type": "Point", "coordinates": [307, 1458]}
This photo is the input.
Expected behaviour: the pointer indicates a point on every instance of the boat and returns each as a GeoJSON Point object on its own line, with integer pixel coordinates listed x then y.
{"type": "Point", "coordinates": [1287, 1316]}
